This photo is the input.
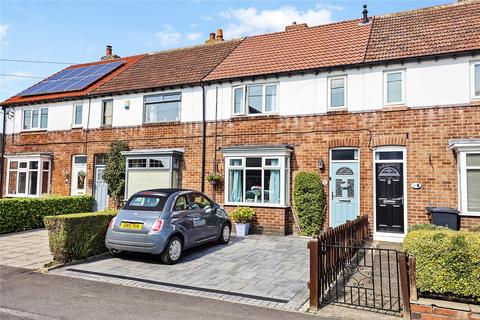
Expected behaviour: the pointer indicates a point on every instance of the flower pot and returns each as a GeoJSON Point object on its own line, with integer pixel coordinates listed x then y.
{"type": "Point", "coordinates": [242, 229]}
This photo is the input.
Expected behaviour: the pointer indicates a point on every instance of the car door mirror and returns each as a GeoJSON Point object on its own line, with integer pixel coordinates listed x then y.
{"type": "Point", "coordinates": [216, 206]}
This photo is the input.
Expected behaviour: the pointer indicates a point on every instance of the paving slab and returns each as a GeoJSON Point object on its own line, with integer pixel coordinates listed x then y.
{"type": "Point", "coordinates": [258, 270]}
{"type": "Point", "coordinates": [27, 249]}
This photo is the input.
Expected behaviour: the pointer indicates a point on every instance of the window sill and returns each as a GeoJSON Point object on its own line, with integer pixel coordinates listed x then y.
{"type": "Point", "coordinates": [240, 117]}
{"type": "Point", "coordinates": [165, 123]}
{"type": "Point", "coordinates": [337, 110]}
{"type": "Point", "coordinates": [469, 214]}
{"type": "Point", "coordinates": [21, 196]}
{"type": "Point", "coordinates": [33, 130]}
{"type": "Point", "coordinates": [253, 204]}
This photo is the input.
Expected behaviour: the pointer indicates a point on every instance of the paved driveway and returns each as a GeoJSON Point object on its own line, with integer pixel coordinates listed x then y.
{"type": "Point", "coordinates": [259, 270]}
{"type": "Point", "coordinates": [28, 249]}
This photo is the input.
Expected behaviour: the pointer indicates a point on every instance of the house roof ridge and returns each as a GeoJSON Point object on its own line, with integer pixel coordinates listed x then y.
{"type": "Point", "coordinates": [421, 10]}
{"type": "Point", "coordinates": [195, 46]}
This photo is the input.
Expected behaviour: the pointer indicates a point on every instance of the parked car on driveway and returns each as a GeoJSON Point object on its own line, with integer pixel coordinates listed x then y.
{"type": "Point", "coordinates": [166, 222]}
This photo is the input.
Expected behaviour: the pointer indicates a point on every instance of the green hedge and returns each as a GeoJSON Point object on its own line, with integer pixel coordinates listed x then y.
{"type": "Point", "coordinates": [77, 236]}
{"type": "Point", "coordinates": [425, 226]}
{"type": "Point", "coordinates": [447, 263]}
{"type": "Point", "coordinates": [309, 202]}
{"type": "Point", "coordinates": [18, 214]}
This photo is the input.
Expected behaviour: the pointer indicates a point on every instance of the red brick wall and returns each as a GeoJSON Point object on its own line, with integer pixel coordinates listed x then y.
{"type": "Point", "coordinates": [424, 132]}
{"type": "Point", "coordinates": [446, 311]}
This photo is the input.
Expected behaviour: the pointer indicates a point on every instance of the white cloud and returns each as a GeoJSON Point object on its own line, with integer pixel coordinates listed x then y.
{"type": "Point", "coordinates": [248, 21]}
{"type": "Point", "coordinates": [168, 37]}
{"type": "Point", "coordinates": [3, 31]}
{"type": "Point", "coordinates": [192, 36]}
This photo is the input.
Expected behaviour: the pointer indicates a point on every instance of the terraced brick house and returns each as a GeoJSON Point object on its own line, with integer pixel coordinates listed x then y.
{"type": "Point", "coordinates": [386, 109]}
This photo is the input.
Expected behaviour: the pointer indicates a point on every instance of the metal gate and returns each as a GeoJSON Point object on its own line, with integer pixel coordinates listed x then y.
{"type": "Point", "coordinates": [366, 277]}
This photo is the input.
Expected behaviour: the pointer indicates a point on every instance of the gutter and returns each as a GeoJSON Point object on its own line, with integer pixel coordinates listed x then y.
{"type": "Point", "coordinates": [2, 155]}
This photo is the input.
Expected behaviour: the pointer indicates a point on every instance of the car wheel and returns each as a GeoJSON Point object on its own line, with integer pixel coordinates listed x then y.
{"type": "Point", "coordinates": [115, 253]}
{"type": "Point", "coordinates": [225, 234]}
{"type": "Point", "coordinates": [173, 251]}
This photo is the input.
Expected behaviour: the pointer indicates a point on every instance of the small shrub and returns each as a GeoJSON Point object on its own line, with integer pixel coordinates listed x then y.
{"type": "Point", "coordinates": [447, 263]}
{"type": "Point", "coordinates": [18, 214]}
{"type": "Point", "coordinates": [309, 202]}
{"type": "Point", "coordinates": [77, 236]}
{"type": "Point", "coordinates": [243, 215]}
{"type": "Point", "coordinates": [425, 226]}
{"type": "Point", "coordinates": [114, 174]}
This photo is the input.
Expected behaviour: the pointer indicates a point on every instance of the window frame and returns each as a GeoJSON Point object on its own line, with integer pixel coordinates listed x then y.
{"type": "Point", "coordinates": [40, 159]}
{"type": "Point", "coordinates": [39, 119]}
{"type": "Point", "coordinates": [463, 187]}
{"type": "Point", "coordinates": [282, 167]}
{"type": "Point", "coordinates": [245, 87]}
{"type": "Point", "coordinates": [145, 103]}
{"type": "Point", "coordinates": [102, 114]}
{"type": "Point", "coordinates": [329, 92]}
{"type": "Point", "coordinates": [78, 125]}
{"type": "Point", "coordinates": [385, 87]}
{"type": "Point", "coordinates": [473, 64]}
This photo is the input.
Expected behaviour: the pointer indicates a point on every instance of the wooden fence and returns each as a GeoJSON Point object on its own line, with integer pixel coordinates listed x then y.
{"type": "Point", "coordinates": [323, 272]}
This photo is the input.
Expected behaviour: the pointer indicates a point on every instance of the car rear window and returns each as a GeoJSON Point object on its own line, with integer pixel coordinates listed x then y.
{"type": "Point", "coordinates": [146, 202]}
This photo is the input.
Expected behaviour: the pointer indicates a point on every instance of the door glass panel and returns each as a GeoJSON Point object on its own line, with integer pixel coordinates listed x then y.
{"type": "Point", "coordinates": [338, 188]}
{"type": "Point", "coordinates": [81, 175]}
{"type": "Point", "coordinates": [473, 160]}
{"type": "Point", "coordinates": [351, 188]}
{"type": "Point", "coordinates": [473, 190]}
{"type": "Point", "coordinates": [345, 154]}
{"type": "Point", "coordinates": [80, 159]}
{"type": "Point", "coordinates": [344, 172]}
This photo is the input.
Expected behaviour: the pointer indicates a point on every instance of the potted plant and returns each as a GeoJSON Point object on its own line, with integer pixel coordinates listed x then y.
{"type": "Point", "coordinates": [214, 178]}
{"type": "Point", "coordinates": [242, 216]}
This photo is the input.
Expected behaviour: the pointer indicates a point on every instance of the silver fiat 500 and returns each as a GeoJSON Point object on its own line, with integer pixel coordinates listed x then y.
{"type": "Point", "coordinates": [166, 222]}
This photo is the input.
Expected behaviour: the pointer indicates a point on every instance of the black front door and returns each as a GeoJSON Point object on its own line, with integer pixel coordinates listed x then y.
{"type": "Point", "coordinates": [389, 197]}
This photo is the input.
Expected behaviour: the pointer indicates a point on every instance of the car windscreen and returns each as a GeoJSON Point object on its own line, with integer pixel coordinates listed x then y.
{"type": "Point", "coordinates": [146, 203]}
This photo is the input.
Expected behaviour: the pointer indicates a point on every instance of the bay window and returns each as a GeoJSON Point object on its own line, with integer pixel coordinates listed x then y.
{"type": "Point", "coordinates": [255, 99]}
{"type": "Point", "coordinates": [257, 179]}
{"type": "Point", "coordinates": [35, 119]}
{"type": "Point", "coordinates": [28, 176]}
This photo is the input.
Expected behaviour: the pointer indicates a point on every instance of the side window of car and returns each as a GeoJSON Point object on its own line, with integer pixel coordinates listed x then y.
{"type": "Point", "coordinates": [199, 201]}
{"type": "Point", "coordinates": [180, 204]}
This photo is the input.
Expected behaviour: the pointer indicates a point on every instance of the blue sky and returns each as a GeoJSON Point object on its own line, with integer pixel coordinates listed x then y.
{"type": "Point", "coordinates": [77, 31]}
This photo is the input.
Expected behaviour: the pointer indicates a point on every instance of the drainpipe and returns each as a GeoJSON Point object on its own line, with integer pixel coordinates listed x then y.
{"type": "Point", "coordinates": [2, 156]}
{"type": "Point", "coordinates": [204, 136]}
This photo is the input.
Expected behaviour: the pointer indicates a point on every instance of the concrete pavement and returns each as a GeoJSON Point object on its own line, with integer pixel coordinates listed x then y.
{"type": "Point", "coordinates": [28, 249]}
{"type": "Point", "coordinates": [28, 295]}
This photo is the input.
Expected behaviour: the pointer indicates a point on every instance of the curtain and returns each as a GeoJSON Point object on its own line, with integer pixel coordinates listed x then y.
{"type": "Point", "coordinates": [274, 186]}
{"type": "Point", "coordinates": [236, 186]}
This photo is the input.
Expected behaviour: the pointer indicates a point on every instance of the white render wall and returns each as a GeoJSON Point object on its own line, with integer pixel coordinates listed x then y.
{"type": "Point", "coordinates": [427, 83]}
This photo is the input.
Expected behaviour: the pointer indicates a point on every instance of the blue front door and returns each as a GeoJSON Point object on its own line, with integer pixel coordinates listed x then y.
{"type": "Point", "coordinates": [343, 192]}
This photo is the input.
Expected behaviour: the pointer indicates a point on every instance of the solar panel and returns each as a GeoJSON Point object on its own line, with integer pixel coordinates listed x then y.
{"type": "Point", "coordinates": [72, 79]}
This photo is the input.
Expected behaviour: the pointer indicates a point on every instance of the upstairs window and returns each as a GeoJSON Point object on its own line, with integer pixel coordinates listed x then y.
{"type": "Point", "coordinates": [393, 85]}
{"type": "Point", "coordinates": [255, 99]}
{"type": "Point", "coordinates": [475, 80]}
{"type": "Point", "coordinates": [107, 112]}
{"type": "Point", "coordinates": [162, 108]}
{"type": "Point", "coordinates": [78, 115]}
{"type": "Point", "coordinates": [35, 119]}
{"type": "Point", "coordinates": [337, 93]}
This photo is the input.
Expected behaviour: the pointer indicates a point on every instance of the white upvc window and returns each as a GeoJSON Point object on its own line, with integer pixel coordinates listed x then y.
{"type": "Point", "coordinates": [337, 92]}
{"type": "Point", "coordinates": [28, 176]}
{"type": "Point", "coordinates": [34, 119]}
{"type": "Point", "coordinates": [394, 87]}
{"type": "Point", "coordinates": [77, 115]}
{"type": "Point", "coordinates": [257, 180]}
{"type": "Point", "coordinates": [469, 173]}
{"type": "Point", "coordinates": [162, 107]}
{"type": "Point", "coordinates": [255, 99]}
{"type": "Point", "coordinates": [475, 79]}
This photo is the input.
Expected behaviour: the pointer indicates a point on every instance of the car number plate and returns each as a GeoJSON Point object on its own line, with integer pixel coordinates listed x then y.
{"type": "Point", "coordinates": [132, 226]}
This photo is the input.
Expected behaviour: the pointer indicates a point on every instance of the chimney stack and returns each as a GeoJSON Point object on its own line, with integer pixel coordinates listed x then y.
{"type": "Point", "coordinates": [219, 34]}
{"type": "Point", "coordinates": [109, 54]}
{"type": "Point", "coordinates": [218, 37]}
{"type": "Point", "coordinates": [365, 14]}
{"type": "Point", "coordinates": [294, 26]}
